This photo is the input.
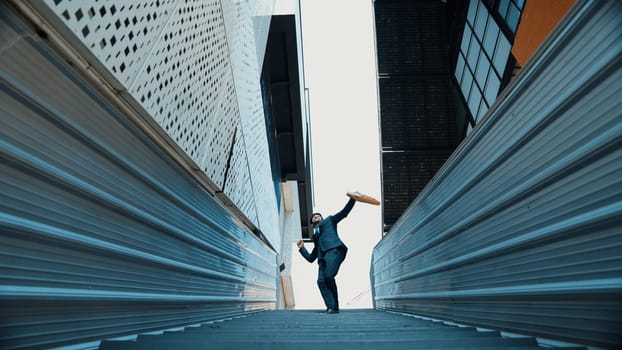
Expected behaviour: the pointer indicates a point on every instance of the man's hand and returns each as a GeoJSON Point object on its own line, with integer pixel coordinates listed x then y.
{"type": "Point", "coordinates": [300, 244]}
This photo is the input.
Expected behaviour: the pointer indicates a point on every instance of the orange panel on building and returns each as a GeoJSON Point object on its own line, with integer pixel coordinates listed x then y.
{"type": "Point", "coordinates": [537, 21]}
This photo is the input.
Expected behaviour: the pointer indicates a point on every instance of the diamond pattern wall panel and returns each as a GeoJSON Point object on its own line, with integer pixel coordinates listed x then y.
{"type": "Point", "coordinates": [193, 65]}
{"type": "Point", "coordinates": [119, 33]}
{"type": "Point", "coordinates": [172, 57]}
{"type": "Point", "coordinates": [188, 88]}
{"type": "Point", "coordinates": [246, 71]}
{"type": "Point", "coordinates": [261, 13]}
{"type": "Point", "coordinates": [238, 186]}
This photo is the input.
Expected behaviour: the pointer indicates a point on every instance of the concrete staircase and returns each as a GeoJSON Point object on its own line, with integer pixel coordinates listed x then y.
{"type": "Point", "coordinates": [309, 329]}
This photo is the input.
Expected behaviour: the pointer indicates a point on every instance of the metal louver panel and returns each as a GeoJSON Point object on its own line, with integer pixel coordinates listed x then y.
{"type": "Point", "coordinates": [103, 234]}
{"type": "Point", "coordinates": [520, 230]}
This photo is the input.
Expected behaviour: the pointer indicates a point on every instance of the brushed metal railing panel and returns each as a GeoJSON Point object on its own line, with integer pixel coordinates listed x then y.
{"type": "Point", "coordinates": [103, 233]}
{"type": "Point", "coordinates": [520, 230]}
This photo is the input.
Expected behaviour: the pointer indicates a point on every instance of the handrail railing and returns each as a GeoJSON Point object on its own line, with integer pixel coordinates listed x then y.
{"type": "Point", "coordinates": [103, 234]}
{"type": "Point", "coordinates": [520, 230]}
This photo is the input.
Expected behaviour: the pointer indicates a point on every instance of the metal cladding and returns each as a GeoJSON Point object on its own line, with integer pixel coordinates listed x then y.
{"type": "Point", "coordinates": [520, 229]}
{"type": "Point", "coordinates": [104, 232]}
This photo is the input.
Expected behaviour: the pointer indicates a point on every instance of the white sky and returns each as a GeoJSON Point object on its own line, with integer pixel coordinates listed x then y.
{"type": "Point", "coordinates": [340, 72]}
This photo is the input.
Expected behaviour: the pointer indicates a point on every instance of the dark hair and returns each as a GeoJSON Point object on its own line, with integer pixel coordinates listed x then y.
{"type": "Point", "coordinates": [312, 215]}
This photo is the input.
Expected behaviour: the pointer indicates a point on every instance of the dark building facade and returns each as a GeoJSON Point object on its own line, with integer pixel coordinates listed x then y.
{"type": "Point", "coordinates": [420, 110]}
{"type": "Point", "coordinates": [441, 65]}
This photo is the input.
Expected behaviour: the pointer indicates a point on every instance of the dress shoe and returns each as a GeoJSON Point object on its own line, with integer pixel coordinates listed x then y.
{"type": "Point", "coordinates": [331, 311]}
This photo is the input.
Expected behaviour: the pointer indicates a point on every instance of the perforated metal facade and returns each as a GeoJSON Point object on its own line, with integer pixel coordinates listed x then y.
{"type": "Point", "coordinates": [194, 67]}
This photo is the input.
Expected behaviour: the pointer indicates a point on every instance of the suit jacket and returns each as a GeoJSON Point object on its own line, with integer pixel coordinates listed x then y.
{"type": "Point", "coordinates": [327, 237]}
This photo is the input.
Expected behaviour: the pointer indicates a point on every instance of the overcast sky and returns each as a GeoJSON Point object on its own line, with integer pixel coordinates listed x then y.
{"type": "Point", "coordinates": [340, 72]}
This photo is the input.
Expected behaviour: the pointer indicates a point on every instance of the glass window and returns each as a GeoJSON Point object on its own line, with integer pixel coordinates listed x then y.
{"type": "Point", "coordinates": [466, 39]}
{"type": "Point", "coordinates": [480, 21]}
{"type": "Point", "coordinates": [473, 54]}
{"type": "Point", "coordinates": [474, 100]}
{"type": "Point", "coordinates": [490, 39]}
{"type": "Point", "coordinates": [483, 65]}
{"type": "Point", "coordinates": [465, 84]}
{"type": "Point", "coordinates": [459, 67]}
{"type": "Point", "coordinates": [513, 17]}
{"type": "Point", "coordinates": [483, 108]}
{"type": "Point", "coordinates": [503, 7]}
{"type": "Point", "coordinates": [472, 11]}
{"type": "Point", "coordinates": [520, 3]}
{"type": "Point", "coordinates": [492, 87]}
{"type": "Point", "coordinates": [502, 52]}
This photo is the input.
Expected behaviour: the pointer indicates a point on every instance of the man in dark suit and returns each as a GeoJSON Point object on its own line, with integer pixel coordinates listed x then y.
{"type": "Point", "coordinates": [330, 252]}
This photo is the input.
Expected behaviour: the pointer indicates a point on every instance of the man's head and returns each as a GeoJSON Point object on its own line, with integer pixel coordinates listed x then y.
{"type": "Point", "coordinates": [315, 219]}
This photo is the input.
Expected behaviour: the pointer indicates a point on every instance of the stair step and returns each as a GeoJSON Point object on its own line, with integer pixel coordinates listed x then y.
{"type": "Point", "coordinates": [309, 329]}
